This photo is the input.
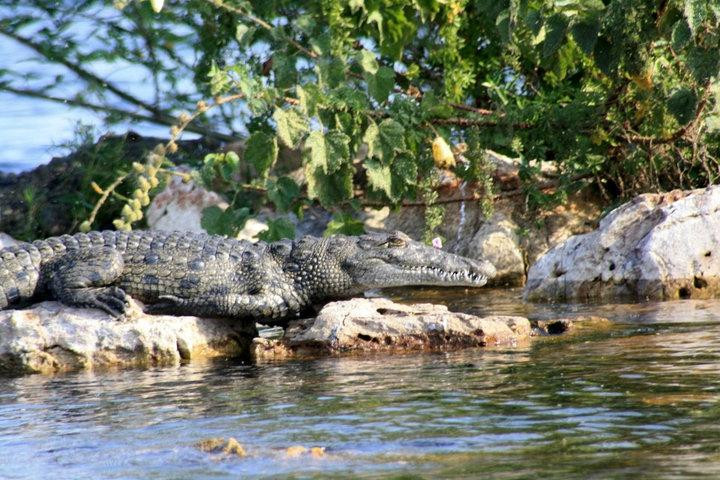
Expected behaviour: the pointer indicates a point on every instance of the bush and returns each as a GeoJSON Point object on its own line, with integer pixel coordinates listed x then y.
{"type": "Point", "coordinates": [623, 95]}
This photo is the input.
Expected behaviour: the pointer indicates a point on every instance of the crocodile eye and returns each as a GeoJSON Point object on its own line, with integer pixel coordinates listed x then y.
{"type": "Point", "coordinates": [395, 242]}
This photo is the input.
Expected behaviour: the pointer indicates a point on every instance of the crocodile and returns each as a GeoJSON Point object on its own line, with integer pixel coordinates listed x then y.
{"type": "Point", "coordinates": [197, 274]}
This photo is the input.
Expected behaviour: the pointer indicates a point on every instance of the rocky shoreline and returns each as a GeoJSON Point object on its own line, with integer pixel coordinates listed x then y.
{"type": "Point", "coordinates": [52, 338]}
{"type": "Point", "coordinates": [655, 247]}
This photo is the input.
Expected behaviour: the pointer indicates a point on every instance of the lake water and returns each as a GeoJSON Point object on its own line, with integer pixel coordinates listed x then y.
{"type": "Point", "coordinates": [637, 398]}
{"type": "Point", "coordinates": [32, 130]}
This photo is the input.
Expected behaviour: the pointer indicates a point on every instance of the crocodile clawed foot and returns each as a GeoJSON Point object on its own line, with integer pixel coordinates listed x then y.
{"type": "Point", "coordinates": [111, 300]}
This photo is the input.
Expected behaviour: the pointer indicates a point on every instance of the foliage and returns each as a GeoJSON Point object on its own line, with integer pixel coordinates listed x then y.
{"type": "Point", "coordinates": [623, 95]}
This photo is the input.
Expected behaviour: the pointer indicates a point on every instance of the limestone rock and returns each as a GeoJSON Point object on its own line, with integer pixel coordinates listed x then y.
{"type": "Point", "coordinates": [509, 238]}
{"type": "Point", "coordinates": [6, 240]}
{"type": "Point", "coordinates": [380, 325]}
{"type": "Point", "coordinates": [51, 337]}
{"type": "Point", "coordinates": [657, 246]}
{"type": "Point", "coordinates": [180, 206]}
{"type": "Point", "coordinates": [497, 241]}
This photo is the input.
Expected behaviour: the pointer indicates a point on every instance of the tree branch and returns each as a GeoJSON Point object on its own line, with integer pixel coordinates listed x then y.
{"type": "Point", "coordinates": [118, 111]}
{"type": "Point", "coordinates": [470, 122]}
{"type": "Point", "coordinates": [679, 133]}
{"type": "Point", "coordinates": [85, 74]}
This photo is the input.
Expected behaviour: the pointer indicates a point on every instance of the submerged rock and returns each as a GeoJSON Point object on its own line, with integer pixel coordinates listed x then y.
{"type": "Point", "coordinates": [657, 246]}
{"type": "Point", "coordinates": [229, 447]}
{"type": "Point", "coordinates": [380, 325]}
{"type": "Point", "coordinates": [51, 337]}
{"type": "Point", "coordinates": [232, 449]}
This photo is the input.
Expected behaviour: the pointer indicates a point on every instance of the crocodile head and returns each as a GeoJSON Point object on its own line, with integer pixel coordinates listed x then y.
{"type": "Point", "coordinates": [341, 265]}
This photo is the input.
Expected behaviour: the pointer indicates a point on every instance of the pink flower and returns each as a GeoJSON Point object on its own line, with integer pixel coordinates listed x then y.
{"type": "Point", "coordinates": [437, 243]}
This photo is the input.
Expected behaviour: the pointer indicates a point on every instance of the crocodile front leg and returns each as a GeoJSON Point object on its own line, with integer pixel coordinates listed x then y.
{"type": "Point", "coordinates": [85, 279]}
{"type": "Point", "coordinates": [258, 306]}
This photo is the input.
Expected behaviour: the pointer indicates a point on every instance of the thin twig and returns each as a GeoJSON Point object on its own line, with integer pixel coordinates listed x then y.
{"type": "Point", "coordinates": [262, 24]}
{"type": "Point", "coordinates": [103, 198]}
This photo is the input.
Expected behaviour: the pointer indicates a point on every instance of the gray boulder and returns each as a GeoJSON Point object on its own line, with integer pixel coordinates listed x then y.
{"type": "Point", "coordinates": [657, 246]}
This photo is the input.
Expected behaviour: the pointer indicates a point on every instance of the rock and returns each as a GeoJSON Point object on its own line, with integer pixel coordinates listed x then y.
{"type": "Point", "coordinates": [510, 238]}
{"type": "Point", "coordinates": [180, 205]}
{"type": "Point", "coordinates": [314, 222]}
{"type": "Point", "coordinates": [581, 323]}
{"type": "Point", "coordinates": [232, 449]}
{"type": "Point", "coordinates": [6, 240]}
{"type": "Point", "coordinates": [657, 246]}
{"type": "Point", "coordinates": [380, 325]}
{"type": "Point", "coordinates": [229, 447]}
{"type": "Point", "coordinates": [497, 241]}
{"type": "Point", "coordinates": [51, 337]}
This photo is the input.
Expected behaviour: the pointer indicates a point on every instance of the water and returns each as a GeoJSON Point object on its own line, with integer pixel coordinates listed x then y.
{"type": "Point", "coordinates": [634, 399]}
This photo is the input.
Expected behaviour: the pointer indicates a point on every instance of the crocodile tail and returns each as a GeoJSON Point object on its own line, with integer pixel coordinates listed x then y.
{"type": "Point", "coordinates": [19, 273]}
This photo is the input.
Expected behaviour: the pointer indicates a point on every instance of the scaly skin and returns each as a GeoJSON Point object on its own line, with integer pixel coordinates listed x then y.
{"type": "Point", "coordinates": [208, 275]}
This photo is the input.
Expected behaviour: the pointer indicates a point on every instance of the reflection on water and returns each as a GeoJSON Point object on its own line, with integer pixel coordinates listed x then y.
{"type": "Point", "coordinates": [636, 400]}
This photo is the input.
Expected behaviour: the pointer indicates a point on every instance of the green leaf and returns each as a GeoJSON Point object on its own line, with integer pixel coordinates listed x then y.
{"type": "Point", "coordinates": [344, 224]}
{"type": "Point", "coordinates": [682, 104]}
{"type": "Point", "coordinates": [502, 22]}
{"type": "Point", "coordinates": [241, 33]}
{"type": "Point", "coordinates": [606, 55]}
{"type": "Point", "coordinates": [331, 72]}
{"type": "Point", "coordinates": [534, 21]}
{"type": "Point", "coordinates": [290, 126]}
{"type": "Point", "coordinates": [379, 176]}
{"type": "Point", "coordinates": [283, 193]}
{"type": "Point", "coordinates": [392, 138]}
{"type": "Point", "coordinates": [585, 32]}
{"type": "Point", "coordinates": [320, 44]}
{"type": "Point", "coordinates": [696, 12]}
{"type": "Point", "coordinates": [372, 139]}
{"type": "Point", "coordinates": [681, 34]}
{"type": "Point", "coordinates": [309, 97]}
{"type": "Point", "coordinates": [332, 189]}
{"type": "Point", "coordinates": [356, 5]}
{"type": "Point", "coordinates": [318, 152]}
{"type": "Point", "coordinates": [227, 222]}
{"type": "Point", "coordinates": [381, 84]}
{"type": "Point", "coordinates": [703, 63]}
{"type": "Point", "coordinates": [328, 150]}
{"type": "Point", "coordinates": [376, 18]}
{"type": "Point", "coordinates": [398, 30]}
{"type": "Point", "coordinates": [367, 61]}
{"type": "Point", "coordinates": [557, 26]}
{"type": "Point", "coordinates": [278, 229]}
{"type": "Point", "coordinates": [261, 150]}
{"type": "Point", "coordinates": [405, 168]}
{"type": "Point", "coordinates": [229, 166]}
{"type": "Point", "coordinates": [337, 144]}
{"type": "Point", "coordinates": [284, 69]}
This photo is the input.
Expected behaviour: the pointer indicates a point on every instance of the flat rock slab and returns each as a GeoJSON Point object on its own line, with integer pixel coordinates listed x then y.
{"type": "Point", "coordinates": [380, 325]}
{"type": "Point", "coordinates": [51, 337]}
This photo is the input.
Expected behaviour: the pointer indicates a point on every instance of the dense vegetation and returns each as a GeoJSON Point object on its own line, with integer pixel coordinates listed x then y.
{"type": "Point", "coordinates": [623, 95]}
